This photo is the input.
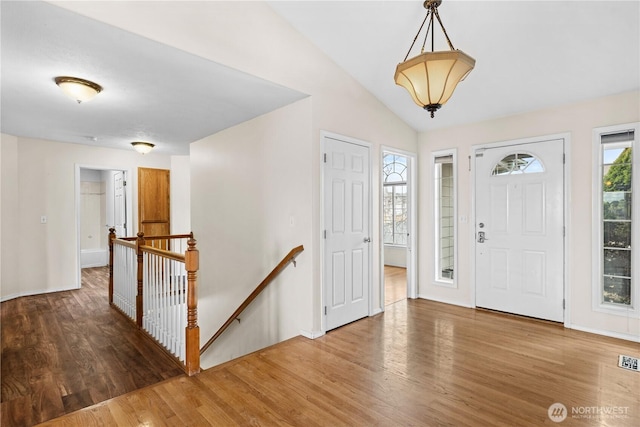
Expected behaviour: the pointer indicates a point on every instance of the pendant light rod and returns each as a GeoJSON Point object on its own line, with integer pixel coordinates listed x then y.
{"type": "Point", "coordinates": [443, 30]}
{"type": "Point", "coordinates": [416, 37]}
{"type": "Point", "coordinates": [431, 77]}
{"type": "Point", "coordinates": [432, 10]}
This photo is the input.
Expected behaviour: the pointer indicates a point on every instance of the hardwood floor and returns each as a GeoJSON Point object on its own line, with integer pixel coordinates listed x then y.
{"type": "Point", "coordinates": [395, 284]}
{"type": "Point", "coordinates": [68, 350]}
{"type": "Point", "coordinates": [420, 363]}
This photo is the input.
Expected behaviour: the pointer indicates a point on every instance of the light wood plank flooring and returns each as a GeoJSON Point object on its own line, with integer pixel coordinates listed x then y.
{"type": "Point", "coordinates": [395, 284]}
{"type": "Point", "coordinates": [419, 363]}
{"type": "Point", "coordinates": [68, 350]}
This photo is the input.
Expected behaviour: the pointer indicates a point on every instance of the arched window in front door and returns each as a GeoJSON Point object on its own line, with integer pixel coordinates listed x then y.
{"type": "Point", "coordinates": [518, 163]}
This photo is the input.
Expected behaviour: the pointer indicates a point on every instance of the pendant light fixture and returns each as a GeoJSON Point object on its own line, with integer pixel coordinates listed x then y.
{"type": "Point", "coordinates": [431, 77]}
{"type": "Point", "coordinates": [142, 147]}
{"type": "Point", "coordinates": [78, 89]}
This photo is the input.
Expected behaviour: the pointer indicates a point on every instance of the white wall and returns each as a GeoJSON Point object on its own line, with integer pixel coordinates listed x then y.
{"type": "Point", "coordinates": [180, 195]}
{"type": "Point", "coordinates": [577, 119]}
{"type": "Point", "coordinates": [10, 214]}
{"type": "Point", "coordinates": [395, 256]}
{"type": "Point", "coordinates": [251, 206]}
{"type": "Point", "coordinates": [38, 178]}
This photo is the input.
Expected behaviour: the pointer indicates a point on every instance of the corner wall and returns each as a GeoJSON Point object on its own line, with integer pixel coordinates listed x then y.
{"type": "Point", "coordinates": [577, 119]}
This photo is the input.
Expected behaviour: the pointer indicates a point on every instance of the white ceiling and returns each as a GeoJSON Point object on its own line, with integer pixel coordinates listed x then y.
{"type": "Point", "coordinates": [530, 55]}
{"type": "Point", "coordinates": [152, 92]}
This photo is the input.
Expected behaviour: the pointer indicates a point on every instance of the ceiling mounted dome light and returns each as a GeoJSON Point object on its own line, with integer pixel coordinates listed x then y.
{"type": "Point", "coordinates": [142, 147]}
{"type": "Point", "coordinates": [78, 89]}
{"type": "Point", "coordinates": [431, 77]}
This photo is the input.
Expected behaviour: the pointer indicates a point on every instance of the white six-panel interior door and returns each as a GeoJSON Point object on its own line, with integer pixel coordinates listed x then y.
{"type": "Point", "coordinates": [519, 229]}
{"type": "Point", "coordinates": [346, 275]}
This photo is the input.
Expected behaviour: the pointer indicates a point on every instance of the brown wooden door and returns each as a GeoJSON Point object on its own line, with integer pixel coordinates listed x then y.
{"type": "Point", "coordinates": [154, 208]}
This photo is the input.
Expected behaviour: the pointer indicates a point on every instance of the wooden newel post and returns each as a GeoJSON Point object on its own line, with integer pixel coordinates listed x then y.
{"type": "Point", "coordinates": [112, 236]}
{"type": "Point", "coordinates": [140, 243]}
{"type": "Point", "coordinates": [192, 331]}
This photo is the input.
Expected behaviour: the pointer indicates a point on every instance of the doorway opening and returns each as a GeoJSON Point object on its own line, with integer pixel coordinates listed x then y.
{"type": "Point", "coordinates": [397, 222]}
{"type": "Point", "coordinates": [101, 203]}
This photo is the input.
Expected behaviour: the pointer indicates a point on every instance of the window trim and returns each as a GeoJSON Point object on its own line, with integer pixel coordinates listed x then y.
{"type": "Point", "coordinates": [437, 280]}
{"type": "Point", "coordinates": [597, 220]}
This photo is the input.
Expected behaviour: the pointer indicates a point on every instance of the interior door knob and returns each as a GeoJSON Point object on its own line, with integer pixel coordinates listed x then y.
{"type": "Point", "coordinates": [367, 239]}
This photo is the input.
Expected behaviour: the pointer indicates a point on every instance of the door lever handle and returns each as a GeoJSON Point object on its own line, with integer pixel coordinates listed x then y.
{"type": "Point", "coordinates": [481, 237]}
{"type": "Point", "coordinates": [367, 239]}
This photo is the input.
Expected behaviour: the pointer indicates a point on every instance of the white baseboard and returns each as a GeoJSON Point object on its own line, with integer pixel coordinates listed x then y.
{"type": "Point", "coordinates": [376, 311]}
{"type": "Point", "coordinates": [95, 265]}
{"type": "Point", "coordinates": [445, 301]}
{"type": "Point", "coordinates": [94, 258]}
{"type": "Point", "coordinates": [36, 292]}
{"type": "Point", "coordinates": [627, 337]}
{"type": "Point", "coordinates": [312, 335]}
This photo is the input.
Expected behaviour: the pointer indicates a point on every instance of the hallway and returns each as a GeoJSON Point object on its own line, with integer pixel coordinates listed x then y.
{"type": "Point", "coordinates": [68, 350]}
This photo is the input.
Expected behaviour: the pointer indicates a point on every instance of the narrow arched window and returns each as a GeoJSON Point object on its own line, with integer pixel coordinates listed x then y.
{"type": "Point", "coordinates": [394, 168]}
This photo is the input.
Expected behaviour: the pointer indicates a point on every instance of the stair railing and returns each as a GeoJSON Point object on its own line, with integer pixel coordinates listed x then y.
{"type": "Point", "coordinates": [289, 258]}
{"type": "Point", "coordinates": [157, 289]}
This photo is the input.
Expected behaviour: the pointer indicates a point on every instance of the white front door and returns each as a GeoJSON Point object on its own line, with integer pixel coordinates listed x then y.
{"type": "Point", "coordinates": [119, 204]}
{"type": "Point", "coordinates": [519, 241]}
{"type": "Point", "coordinates": [346, 229]}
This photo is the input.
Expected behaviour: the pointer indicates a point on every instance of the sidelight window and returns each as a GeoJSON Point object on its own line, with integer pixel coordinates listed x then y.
{"type": "Point", "coordinates": [616, 260]}
{"type": "Point", "coordinates": [445, 217]}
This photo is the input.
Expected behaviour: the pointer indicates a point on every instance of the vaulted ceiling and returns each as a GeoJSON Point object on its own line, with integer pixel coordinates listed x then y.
{"type": "Point", "coordinates": [530, 55]}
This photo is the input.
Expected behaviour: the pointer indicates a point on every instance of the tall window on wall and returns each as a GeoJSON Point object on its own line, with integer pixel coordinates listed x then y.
{"type": "Point", "coordinates": [616, 219]}
{"type": "Point", "coordinates": [394, 168]}
{"type": "Point", "coordinates": [445, 214]}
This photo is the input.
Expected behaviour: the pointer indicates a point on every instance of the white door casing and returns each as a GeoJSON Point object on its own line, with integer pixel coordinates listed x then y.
{"type": "Point", "coordinates": [346, 275]}
{"type": "Point", "coordinates": [519, 239]}
{"type": "Point", "coordinates": [119, 204]}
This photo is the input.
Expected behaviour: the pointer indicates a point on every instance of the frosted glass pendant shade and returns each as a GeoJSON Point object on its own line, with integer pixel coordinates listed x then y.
{"type": "Point", "coordinates": [431, 77]}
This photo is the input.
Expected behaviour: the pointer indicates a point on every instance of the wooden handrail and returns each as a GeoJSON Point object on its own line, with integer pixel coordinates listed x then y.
{"type": "Point", "coordinates": [173, 236]}
{"type": "Point", "coordinates": [161, 252]}
{"type": "Point", "coordinates": [126, 243]}
{"type": "Point", "coordinates": [290, 257]}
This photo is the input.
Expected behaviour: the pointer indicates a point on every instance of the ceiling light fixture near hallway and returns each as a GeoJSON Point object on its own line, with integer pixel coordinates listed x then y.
{"type": "Point", "coordinates": [142, 147]}
{"type": "Point", "coordinates": [78, 89]}
{"type": "Point", "coordinates": [431, 77]}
